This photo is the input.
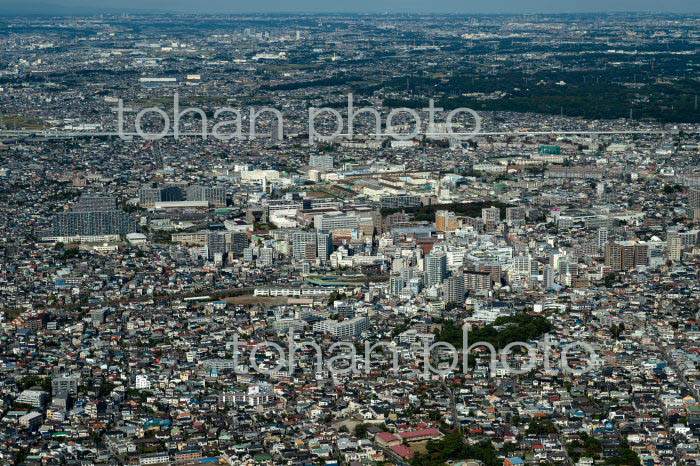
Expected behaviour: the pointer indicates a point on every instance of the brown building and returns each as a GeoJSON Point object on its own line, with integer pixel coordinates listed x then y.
{"type": "Point", "coordinates": [477, 281]}
{"type": "Point", "coordinates": [187, 456]}
{"type": "Point", "coordinates": [446, 221]}
{"type": "Point", "coordinates": [625, 255]}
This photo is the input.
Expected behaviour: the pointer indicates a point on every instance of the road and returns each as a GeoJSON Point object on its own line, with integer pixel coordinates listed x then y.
{"type": "Point", "coordinates": [453, 408]}
{"type": "Point", "coordinates": [563, 445]}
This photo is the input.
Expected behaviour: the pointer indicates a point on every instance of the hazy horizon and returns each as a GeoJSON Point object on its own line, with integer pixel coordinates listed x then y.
{"type": "Point", "coordinates": [360, 6]}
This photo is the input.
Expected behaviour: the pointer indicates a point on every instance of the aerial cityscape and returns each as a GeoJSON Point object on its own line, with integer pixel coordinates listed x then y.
{"type": "Point", "coordinates": [338, 239]}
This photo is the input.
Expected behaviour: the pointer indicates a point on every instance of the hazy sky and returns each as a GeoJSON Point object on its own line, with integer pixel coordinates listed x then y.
{"type": "Point", "coordinates": [375, 6]}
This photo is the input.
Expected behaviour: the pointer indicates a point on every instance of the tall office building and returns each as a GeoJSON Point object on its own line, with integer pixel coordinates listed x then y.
{"type": "Point", "coordinates": [435, 268]}
{"type": "Point", "coordinates": [321, 162]}
{"type": "Point", "coordinates": [216, 195]}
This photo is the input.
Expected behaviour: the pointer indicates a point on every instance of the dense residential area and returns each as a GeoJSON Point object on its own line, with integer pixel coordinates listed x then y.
{"type": "Point", "coordinates": [512, 285]}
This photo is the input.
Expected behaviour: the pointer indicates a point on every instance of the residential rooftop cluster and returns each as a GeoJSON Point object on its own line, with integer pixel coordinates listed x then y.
{"type": "Point", "coordinates": [526, 296]}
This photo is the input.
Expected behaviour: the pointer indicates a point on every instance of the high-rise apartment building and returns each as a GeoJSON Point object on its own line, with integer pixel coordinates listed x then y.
{"type": "Point", "coordinates": [65, 383]}
{"type": "Point", "coordinates": [216, 195]}
{"type": "Point", "coordinates": [300, 241]}
{"type": "Point", "coordinates": [694, 199]}
{"type": "Point", "coordinates": [95, 203]}
{"type": "Point", "coordinates": [399, 201]}
{"type": "Point", "coordinates": [454, 289]}
{"type": "Point", "coordinates": [239, 241]}
{"type": "Point", "coordinates": [477, 281]}
{"type": "Point", "coordinates": [324, 242]}
{"type": "Point", "coordinates": [491, 215]}
{"type": "Point", "coordinates": [446, 221]}
{"type": "Point", "coordinates": [396, 285]}
{"type": "Point", "coordinates": [548, 277]}
{"type": "Point", "coordinates": [602, 237]}
{"type": "Point", "coordinates": [515, 215]}
{"type": "Point", "coordinates": [110, 222]}
{"type": "Point", "coordinates": [694, 203]}
{"type": "Point", "coordinates": [624, 255]}
{"type": "Point", "coordinates": [435, 267]}
{"type": "Point", "coordinates": [674, 244]}
{"type": "Point", "coordinates": [522, 265]}
{"type": "Point", "coordinates": [321, 162]}
{"type": "Point", "coordinates": [150, 194]}
{"type": "Point", "coordinates": [216, 244]}
{"type": "Point", "coordinates": [266, 256]}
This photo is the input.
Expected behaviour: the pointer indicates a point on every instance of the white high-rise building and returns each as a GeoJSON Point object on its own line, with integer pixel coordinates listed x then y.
{"type": "Point", "coordinates": [548, 277]}
{"type": "Point", "coordinates": [602, 237]}
{"type": "Point", "coordinates": [675, 247]}
{"type": "Point", "coordinates": [435, 268]}
{"type": "Point", "coordinates": [521, 265]}
{"type": "Point", "coordinates": [266, 256]}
